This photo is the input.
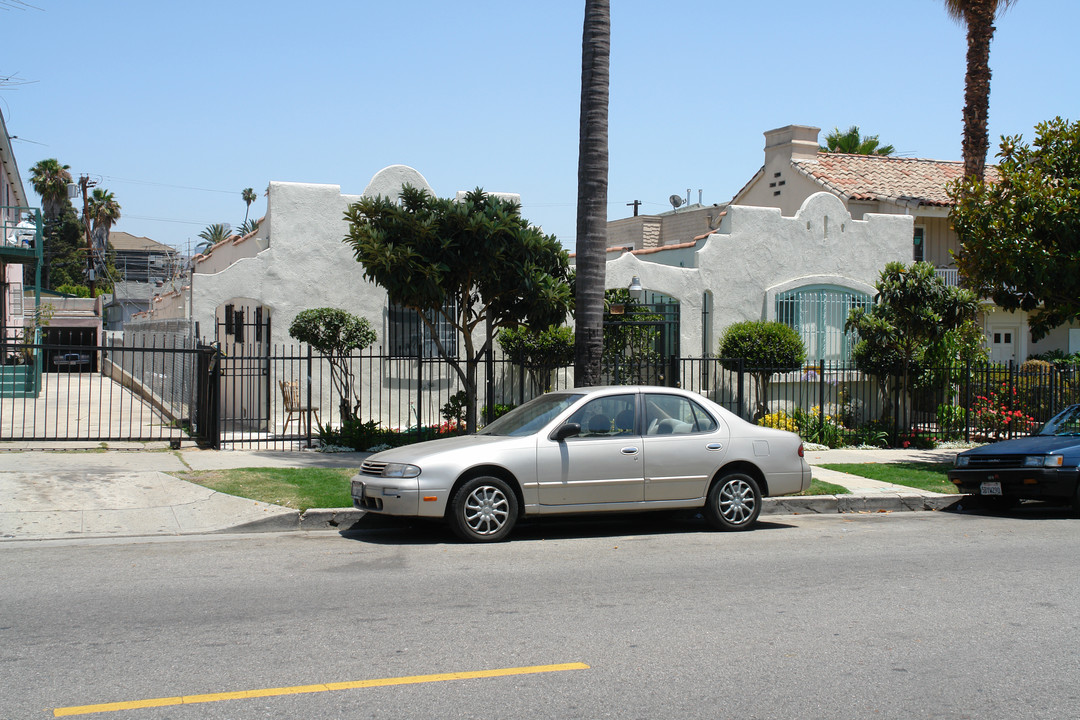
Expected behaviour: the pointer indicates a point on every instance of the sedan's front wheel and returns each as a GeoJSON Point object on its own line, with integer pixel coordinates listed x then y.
{"type": "Point", "coordinates": [734, 502]}
{"type": "Point", "coordinates": [484, 509]}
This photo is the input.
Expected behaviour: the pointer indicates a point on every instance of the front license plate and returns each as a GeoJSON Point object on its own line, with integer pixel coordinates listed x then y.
{"type": "Point", "coordinates": [990, 488]}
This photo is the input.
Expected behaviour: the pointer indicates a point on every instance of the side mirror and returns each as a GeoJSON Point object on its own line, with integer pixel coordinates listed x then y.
{"type": "Point", "coordinates": [567, 430]}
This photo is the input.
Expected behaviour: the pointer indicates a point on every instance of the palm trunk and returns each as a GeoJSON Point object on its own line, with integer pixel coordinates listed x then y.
{"type": "Point", "coordinates": [592, 193]}
{"type": "Point", "coordinates": [979, 18]}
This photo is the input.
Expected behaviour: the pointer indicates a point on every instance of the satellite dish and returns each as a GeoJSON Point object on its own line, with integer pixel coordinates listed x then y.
{"type": "Point", "coordinates": [676, 201]}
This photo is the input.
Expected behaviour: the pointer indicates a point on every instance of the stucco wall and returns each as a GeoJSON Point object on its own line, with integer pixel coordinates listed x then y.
{"type": "Point", "coordinates": [304, 263]}
{"type": "Point", "coordinates": [758, 252]}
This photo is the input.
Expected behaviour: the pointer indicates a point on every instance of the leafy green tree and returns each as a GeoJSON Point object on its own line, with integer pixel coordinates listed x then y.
{"type": "Point", "coordinates": [541, 353]}
{"type": "Point", "coordinates": [213, 234]}
{"type": "Point", "coordinates": [475, 265]}
{"type": "Point", "coordinates": [1020, 237]}
{"type": "Point", "coordinates": [766, 348]}
{"type": "Point", "coordinates": [248, 194]}
{"type": "Point", "coordinates": [336, 334]}
{"type": "Point", "coordinates": [978, 17]}
{"type": "Point", "coordinates": [853, 143]}
{"type": "Point", "coordinates": [592, 193]}
{"type": "Point", "coordinates": [913, 310]}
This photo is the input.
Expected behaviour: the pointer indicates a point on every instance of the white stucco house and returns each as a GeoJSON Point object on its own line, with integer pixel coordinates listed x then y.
{"type": "Point", "coordinates": [794, 169]}
{"type": "Point", "coordinates": [807, 268]}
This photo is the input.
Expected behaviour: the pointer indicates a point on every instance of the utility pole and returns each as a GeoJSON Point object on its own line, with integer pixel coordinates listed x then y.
{"type": "Point", "coordinates": [636, 204]}
{"type": "Point", "coordinates": [84, 183]}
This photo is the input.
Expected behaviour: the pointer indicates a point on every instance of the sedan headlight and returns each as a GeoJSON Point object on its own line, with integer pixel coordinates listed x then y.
{"type": "Point", "coordinates": [400, 470]}
{"type": "Point", "coordinates": [962, 460]}
{"type": "Point", "coordinates": [1043, 461]}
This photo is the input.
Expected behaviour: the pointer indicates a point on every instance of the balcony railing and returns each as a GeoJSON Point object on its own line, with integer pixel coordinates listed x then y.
{"type": "Point", "coordinates": [951, 276]}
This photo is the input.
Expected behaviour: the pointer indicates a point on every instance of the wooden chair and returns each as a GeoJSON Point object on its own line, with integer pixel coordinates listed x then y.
{"type": "Point", "coordinates": [290, 395]}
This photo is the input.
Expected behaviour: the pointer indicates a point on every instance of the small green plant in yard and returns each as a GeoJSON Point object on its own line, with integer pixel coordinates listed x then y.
{"type": "Point", "coordinates": [298, 488]}
{"type": "Point", "coordinates": [932, 477]}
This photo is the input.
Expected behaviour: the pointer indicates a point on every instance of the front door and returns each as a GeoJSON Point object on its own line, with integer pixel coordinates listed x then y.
{"type": "Point", "coordinates": [1003, 344]}
{"type": "Point", "coordinates": [602, 464]}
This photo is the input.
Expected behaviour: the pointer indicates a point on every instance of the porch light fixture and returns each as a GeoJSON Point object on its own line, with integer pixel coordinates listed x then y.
{"type": "Point", "coordinates": [636, 291]}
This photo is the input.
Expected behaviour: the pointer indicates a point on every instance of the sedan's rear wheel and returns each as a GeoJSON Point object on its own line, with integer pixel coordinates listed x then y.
{"type": "Point", "coordinates": [734, 502]}
{"type": "Point", "coordinates": [484, 509]}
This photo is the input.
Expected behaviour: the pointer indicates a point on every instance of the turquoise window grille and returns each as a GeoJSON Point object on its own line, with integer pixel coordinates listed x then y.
{"type": "Point", "coordinates": [818, 314]}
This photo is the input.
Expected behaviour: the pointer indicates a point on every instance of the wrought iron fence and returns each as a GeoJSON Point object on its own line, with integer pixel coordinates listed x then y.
{"type": "Point", "coordinates": [254, 395]}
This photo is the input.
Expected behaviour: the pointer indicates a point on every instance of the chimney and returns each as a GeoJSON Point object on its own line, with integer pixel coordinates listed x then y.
{"type": "Point", "coordinates": [793, 142]}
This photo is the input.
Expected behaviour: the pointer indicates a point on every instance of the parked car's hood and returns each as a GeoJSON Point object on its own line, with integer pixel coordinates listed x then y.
{"type": "Point", "coordinates": [417, 451]}
{"type": "Point", "coordinates": [1032, 445]}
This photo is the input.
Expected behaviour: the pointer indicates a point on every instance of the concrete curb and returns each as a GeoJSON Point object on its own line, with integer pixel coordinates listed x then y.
{"type": "Point", "coordinates": [345, 518]}
{"type": "Point", "coordinates": [878, 502]}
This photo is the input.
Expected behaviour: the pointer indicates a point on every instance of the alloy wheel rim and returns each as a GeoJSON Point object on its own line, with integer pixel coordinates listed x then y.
{"type": "Point", "coordinates": [486, 510]}
{"type": "Point", "coordinates": [737, 502]}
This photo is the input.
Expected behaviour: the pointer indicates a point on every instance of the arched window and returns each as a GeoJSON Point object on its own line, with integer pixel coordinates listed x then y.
{"type": "Point", "coordinates": [818, 313]}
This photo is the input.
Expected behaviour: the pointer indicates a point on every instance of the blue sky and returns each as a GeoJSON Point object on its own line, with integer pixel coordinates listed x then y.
{"type": "Point", "coordinates": [177, 106]}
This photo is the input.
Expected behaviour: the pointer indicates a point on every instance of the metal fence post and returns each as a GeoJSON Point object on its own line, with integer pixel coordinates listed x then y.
{"type": "Point", "coordinates": [308, 414]}
{"type": "Point", "coordinates": [740, 393]}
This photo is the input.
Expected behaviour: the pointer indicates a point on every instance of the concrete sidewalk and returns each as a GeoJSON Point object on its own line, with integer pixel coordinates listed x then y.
{"type": "Point", "coordinates": [131, 489]}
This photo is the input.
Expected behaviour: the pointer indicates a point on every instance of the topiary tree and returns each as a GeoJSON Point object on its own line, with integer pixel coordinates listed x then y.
{"type": "Point", "coordinates": [766, 348]}
{"type": "Point", "coordinates": [540, 353]}
{"type": "Point", "coordinates": [336, 334]}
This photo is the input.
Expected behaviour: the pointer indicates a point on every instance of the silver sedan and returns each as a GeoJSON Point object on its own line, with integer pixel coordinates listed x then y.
{"type": "Point", "coordinates": [587, 450]}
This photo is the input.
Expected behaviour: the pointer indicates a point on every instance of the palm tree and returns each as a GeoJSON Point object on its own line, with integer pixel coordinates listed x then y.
{"type": "Point", "coordinates": [592, 193]}
{"type": "Point", "coordinates": [978, 17]}
{"type": "Point", "coordinates": [247, 226]}
{"type": "Point", "coordinates": [853, 143]}
{"type": "Point", "coordinates": [50, 180]}
{"type": "Point", "coordinates": [104, 212]}
{"type": "Point", "coordinates": [212, 235]}
{"type": "Point", "coordinates": [249, 197]}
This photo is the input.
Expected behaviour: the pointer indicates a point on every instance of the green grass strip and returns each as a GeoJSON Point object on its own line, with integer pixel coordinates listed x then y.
{"type": "Point", "coordinates": [931, 477]}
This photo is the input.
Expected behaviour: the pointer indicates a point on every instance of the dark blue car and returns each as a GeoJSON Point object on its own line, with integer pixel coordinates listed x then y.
{"type": "Point", "coordinates": [1044, 466]}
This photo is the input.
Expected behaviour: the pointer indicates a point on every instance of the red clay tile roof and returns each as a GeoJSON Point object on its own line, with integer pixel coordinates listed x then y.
{"type": "Point", "coordinates": [890, 179]}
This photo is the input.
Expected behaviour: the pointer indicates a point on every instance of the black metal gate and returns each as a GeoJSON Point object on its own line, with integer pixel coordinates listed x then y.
{"type": "Point", "coordinates": [641, 342]}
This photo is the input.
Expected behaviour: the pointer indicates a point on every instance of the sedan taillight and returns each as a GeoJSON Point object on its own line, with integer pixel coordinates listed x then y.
{"type": "Point", "coordinates": [801, 450]}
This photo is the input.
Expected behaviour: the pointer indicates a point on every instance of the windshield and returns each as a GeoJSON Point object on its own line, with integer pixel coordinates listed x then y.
{"type": "Point", "coordinates": [1066, 422]}
{"type": "Point", "coordinates": [531, 416]}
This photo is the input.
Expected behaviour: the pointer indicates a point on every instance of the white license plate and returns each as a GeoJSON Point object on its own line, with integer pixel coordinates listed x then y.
{"type": "Point", "coordinates": [990, 488]}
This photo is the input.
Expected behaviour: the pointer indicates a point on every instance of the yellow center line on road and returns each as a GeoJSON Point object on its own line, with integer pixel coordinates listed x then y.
{"type": "Point", "coordinates": [301, 689]}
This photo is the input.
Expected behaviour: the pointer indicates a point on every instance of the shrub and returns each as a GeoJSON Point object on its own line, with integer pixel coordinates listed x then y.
{"type": "Point", "coordinates": [779, 420]}
{"type": "Point", "coordinates": [766, 348]}
{"type": "Point", "coordinates": [952, 420]}
{"type": "Point", "coordinates": [813, 428]}
{"type": "Point", "coordinates": [995, 414]}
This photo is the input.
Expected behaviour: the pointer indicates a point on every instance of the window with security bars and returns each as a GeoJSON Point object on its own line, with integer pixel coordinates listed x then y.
{"type": "Point", "coordinates": [408, 336]}
{"type": "Point", "coordinates": [818, 314]}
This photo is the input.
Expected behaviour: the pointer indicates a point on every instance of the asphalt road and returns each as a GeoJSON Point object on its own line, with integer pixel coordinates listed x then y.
{"type": "Point", "coordinates": [906, 615]}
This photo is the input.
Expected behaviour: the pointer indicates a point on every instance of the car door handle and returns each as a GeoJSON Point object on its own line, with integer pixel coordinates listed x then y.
{"type": "Point", "coordinates": [629, 451]}
{"type": "Point", "coordinates": [715, 446]}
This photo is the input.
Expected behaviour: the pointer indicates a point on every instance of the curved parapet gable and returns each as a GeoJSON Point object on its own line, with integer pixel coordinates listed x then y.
{"type": "Point", "coordinates": [389, 181]}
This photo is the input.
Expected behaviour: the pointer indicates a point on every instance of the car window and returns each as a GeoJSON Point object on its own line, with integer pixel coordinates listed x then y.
{"type": "Point", "coordinates": [532, 416]}
{"type": "Point", "coordinates": [1066, 422]}
{"type": "Point", "coordinates": [607, 416]}
{"type": "Point", "coordinates": [675, 415]}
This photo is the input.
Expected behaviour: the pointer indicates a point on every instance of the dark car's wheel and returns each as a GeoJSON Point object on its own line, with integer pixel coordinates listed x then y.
{"type": "Point", "coordinates": [484, 509]}
{"type": "Point", "coordinates": [734, 502]}
{"type": "Point", "coordinates": [1076, 501]}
